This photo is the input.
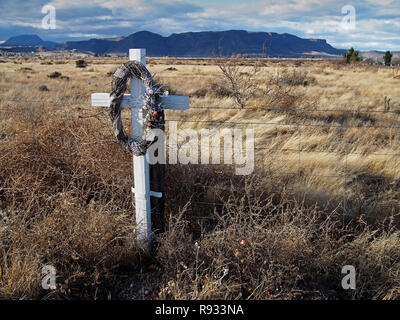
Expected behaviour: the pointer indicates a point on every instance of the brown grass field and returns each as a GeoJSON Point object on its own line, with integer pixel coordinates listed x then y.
{"type": "Point", "coordinates": [325, 192]}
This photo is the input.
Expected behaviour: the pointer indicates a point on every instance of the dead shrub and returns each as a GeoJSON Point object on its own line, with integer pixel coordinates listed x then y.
{"type": "Point", "coordinates": [242, 84]}
{"type": "Point", "coordinates": [295, 77]}
{"type": "Point", "coordinates": [280, 90]}
{"type": "Point", "coordinates": [59, 210]}
{"type": "Point", "coordinates": [376, 257]}
{"type": "Point", "coordinates": [245, 85]}
{"type": "Point", "coordinates": [65, 199]}
{"type": "Point", "coordinates": [43, 88]}
{"type": "Point", "coordinates": [200, 93]}
{"type": "Point", "coordinates": [260, 246]}
{"type": "Point", "coordinates": [220, 91]}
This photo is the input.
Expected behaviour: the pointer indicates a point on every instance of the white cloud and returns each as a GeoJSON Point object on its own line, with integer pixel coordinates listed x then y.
{"type": "Point", "coordinates": [104, 18]}
{"type": "Point", "coordinates": [68, 4]}
{"type": "Point", "coordinates": [382, 2]}
{"type": "Point", "coordinates": [90, 35]}
{"type": "Point", "coordinates": [26, 24]}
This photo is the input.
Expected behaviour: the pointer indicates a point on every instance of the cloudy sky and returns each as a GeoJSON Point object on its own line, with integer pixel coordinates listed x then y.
{"type": "Point", "coordinates": [376, 24]}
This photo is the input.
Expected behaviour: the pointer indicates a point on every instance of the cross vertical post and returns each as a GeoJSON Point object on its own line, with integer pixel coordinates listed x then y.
{"type": "Point", "coordinates": [141, 170]}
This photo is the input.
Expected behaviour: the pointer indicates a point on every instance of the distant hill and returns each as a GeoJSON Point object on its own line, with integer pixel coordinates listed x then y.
{"type": "Point", "coordinates": [28, 40]}
{"type": "Point", "coordinates": [378, 54]}
{"type": "Point", "coordinates": [196, 44]}
{"type": "Point", "coordinates": [207, 44]}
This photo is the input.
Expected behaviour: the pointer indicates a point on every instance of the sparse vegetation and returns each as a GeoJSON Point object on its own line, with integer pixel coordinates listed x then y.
{"type": "Point", "coordinates": [276, 89]}
{"type": "Point", "coordinates": [276, 248]}
{"type": "Point", "coordinates": [81, 63]}
{"type": "Point", "coordinates": [296, 77]}
{"type": "Point", "coordinates": [54, 75]}
{"type": "Point", "coordinates": [241, 83]}
{"type": "Point", "coordinates": [352, 56]}
{"type": "Point", "coordinates": [43, 88]}
{"type": "Point", "coordinates": [282, 233]}
{"type": "Point", "coordinates": [57, 75]}
{"type": "Point", "coordinates": [388, 58]}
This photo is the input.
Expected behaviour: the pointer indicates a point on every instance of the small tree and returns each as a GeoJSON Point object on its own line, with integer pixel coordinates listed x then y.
{"type": "Point", "coordinates": [352, 56]}
{"type": "Point", "coordinates": [388, 58]}
{"type": "Point", "coordinates": [235, 79]}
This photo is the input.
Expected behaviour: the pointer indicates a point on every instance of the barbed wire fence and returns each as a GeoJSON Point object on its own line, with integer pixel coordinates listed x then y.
{"type": "Point", "coordinates": [263, 153]}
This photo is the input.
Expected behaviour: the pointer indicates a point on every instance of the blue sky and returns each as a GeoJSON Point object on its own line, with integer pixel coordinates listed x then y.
{"type": "Point", "coordinates": [377, 23]}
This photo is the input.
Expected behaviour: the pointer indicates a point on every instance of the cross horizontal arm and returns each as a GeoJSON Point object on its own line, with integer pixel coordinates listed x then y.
{"type": "Point", "coordinates": [169, 102]}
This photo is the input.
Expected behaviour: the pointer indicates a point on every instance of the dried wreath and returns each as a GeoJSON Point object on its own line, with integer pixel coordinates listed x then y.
{"type": "Point", "coordinates": [153, 112]}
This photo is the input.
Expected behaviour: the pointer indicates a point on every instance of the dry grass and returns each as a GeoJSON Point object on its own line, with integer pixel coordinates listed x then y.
{"type": "Point", "coordinates": [278, 234]}
{"type": "Point", "coordinates": [276, 249]}
{"type": "Point", "coordinates": [58, 209]}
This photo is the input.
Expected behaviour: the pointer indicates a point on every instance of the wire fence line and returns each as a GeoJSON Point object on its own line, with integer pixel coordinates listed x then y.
{"type": "Point", "coordinates": [89, 141]}
{"type": "Point", "coordinates": [235, 123]}
{"type": "Point", "coordinates": [297, 129]}
{"type": "Point", "coordinates": [311, 109]}
{"type": "Point", "coordinates": [293, 124]}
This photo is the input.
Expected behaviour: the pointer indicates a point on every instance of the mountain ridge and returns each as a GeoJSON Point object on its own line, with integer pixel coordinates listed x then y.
{"type": "Point", "coordinates": [28, 40]}
{"type": "Point", "coordinates": [200, 44]}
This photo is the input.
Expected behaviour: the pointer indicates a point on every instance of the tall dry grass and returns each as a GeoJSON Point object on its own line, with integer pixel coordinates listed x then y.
{"type": "Point", "coordinates": [62, 205]}
{"type": "Point", "coordinates": [278, 249]}
{"type": "Point", "coordinates": [280, 233]}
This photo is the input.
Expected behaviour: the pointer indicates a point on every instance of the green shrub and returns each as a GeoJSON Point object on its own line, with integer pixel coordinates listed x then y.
{"type": "Point", "coordinates": [388, 58]}
{"type": "Point", "coordinates": [352, 56]}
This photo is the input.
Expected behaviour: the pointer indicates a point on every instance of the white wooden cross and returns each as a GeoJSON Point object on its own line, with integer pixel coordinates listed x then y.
{"type": "Point", "coordinates": [134, 101]}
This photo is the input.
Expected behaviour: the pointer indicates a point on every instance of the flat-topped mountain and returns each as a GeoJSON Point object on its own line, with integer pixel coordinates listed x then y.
{"type": "Point", "coordinates": [208, 44]}
{"type": "Point", "coordinates": [28, 40]}
{"type": "Point", "coordinates": [204, 44]}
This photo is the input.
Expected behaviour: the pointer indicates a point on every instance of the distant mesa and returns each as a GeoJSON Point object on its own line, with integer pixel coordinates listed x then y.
{"type": "Point", "coordinates": [194, 44]}
{"type": "Point", "coordinates": [28, 40]}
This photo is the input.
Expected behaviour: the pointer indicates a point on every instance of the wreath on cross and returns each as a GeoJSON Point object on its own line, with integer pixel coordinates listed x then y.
{"type": "Point", "coordinates": [153, 111]}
